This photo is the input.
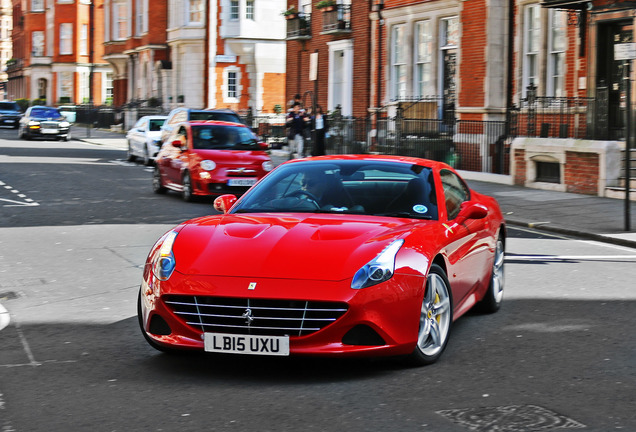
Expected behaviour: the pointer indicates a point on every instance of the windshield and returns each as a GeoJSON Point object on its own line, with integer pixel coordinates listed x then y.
{"type": "Point", "coordinates": [210, 115]}
{"type": "Point", "coordinates": [223, 137]}
{"type": "Point", "coordinates": [9, 106]}
{"type": "Point", "coordinates": [155, 125]}
{"type": "Point", "coordinates": [361, 187]}
{"type": "Point", "coordinates": [45, 113]}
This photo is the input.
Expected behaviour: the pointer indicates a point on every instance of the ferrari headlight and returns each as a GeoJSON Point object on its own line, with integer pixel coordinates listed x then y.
{"type": "Point", "coordinates": [208, 165]}
{"type": "Point", "coordinates": [165, 263]}
{"type": "Point", "coordinates": [379, 269]}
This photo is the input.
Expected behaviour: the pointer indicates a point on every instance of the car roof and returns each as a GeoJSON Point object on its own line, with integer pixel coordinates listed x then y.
{"type": "Point", "coordinates": [153, 117]}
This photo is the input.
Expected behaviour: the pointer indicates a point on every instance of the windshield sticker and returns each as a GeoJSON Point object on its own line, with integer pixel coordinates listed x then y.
{"type": "Point", "coordinates": [419, 208]}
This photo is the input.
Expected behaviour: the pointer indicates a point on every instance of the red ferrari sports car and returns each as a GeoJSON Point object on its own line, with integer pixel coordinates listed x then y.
{"type": "Point", "coordinates": [210, 158]}
{"type": "Point", "coordinates": [331, 255]}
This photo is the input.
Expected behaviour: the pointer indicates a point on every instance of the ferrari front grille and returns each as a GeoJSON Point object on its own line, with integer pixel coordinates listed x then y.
{"type": "Point", "coordinates": [255, 316]}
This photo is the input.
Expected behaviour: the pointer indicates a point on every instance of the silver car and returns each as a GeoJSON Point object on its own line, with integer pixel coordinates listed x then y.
{"type": "Point", "coordinates": [144, 139]}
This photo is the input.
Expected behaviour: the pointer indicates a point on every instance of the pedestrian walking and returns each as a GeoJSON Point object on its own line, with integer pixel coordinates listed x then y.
{"type": "Point", "coordinates": [296, 122]}
{"type": "Point", "coordinates": [320, 128]}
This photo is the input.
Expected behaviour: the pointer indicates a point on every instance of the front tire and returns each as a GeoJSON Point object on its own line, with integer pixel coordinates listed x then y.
{"type": "Point", "coordinates": [187, 194]}
{"type": "Point", "coordinates": [157, 187]}
{"type": "Point", "coordinates": [436, 318]}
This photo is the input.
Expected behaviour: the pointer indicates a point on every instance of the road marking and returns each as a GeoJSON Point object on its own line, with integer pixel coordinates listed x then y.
{"type": "Point", "coordinates": [570, 257]}
{"type": "Point", "coordinates": [25, 345]}
{"type": "Point", "coordinates": [4, 317]}
{"type": "Point", "coordinates": [28, 202]}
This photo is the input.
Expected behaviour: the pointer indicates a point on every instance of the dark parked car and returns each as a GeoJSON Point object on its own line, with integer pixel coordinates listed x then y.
{"type": "Point", "coordinates": [44, 121]}
{"type": "Point", "coordinates": [10, 114]}
{"type": "Point", "coordinates": [179, 115]}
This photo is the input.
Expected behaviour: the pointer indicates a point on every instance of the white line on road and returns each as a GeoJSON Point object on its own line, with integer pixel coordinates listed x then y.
{"type": "Point", "coordinates": [4, 317]}
{"type": "Point", "coordinates": [570, 257]}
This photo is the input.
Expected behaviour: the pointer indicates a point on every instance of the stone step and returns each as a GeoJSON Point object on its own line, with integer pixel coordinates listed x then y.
{"type": "Point", "coordinates": [619, 193]}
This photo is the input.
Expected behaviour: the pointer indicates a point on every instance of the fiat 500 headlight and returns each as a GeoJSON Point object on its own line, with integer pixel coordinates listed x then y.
{"type": "Point", "coordinates": [379, 269]}
{"type": "Point", "coordinates": [64, 124]}
{"type": "Point", "coordinates": [165, 263]}
{"type": "Point", "coordinates": [268, 165]}
{"type": "Point", "coordinates": [208, 165]}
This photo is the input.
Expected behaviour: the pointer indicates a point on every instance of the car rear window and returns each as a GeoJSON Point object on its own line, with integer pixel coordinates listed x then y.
{"type": "Point", "coordinates": [203, 115]}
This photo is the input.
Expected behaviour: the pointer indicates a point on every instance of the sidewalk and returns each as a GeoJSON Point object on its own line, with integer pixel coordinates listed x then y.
{"type": "Point", "coordinates": [591, 217]}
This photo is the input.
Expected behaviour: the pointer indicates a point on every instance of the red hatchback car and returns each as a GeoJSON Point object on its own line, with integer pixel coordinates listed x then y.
{"type": "Point", "coordinates": [210, 158]}
{"type": "Point", "coordinates": [332, 256]}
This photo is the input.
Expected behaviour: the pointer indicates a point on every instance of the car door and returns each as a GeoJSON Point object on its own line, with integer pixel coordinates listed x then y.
{"type": "Point", "coordinates": [468, 247]}
{"type": "Point", "coordinates": [175, 158]}
{"type": "Point", "coordinates": [138, 137]}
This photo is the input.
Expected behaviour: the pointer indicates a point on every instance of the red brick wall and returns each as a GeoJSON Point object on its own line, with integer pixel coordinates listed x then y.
{"type": "Point", "coordinates": [298, 59]}
{"type": "Point", "coordinates": [520, 163]}
{"type": "Point", "coordinates": [273, 91]}
{"type": "Point", "coordinates": [581, 172]}
{"type": "Point", "coordinates": [472, 56]}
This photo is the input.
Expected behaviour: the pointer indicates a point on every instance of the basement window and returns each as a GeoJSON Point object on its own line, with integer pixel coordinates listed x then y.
{"type": "Point", "coordinates": [548, 172]}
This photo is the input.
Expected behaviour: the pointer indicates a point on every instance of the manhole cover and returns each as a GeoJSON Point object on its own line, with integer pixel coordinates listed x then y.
{"type": "Point", "coordinates": [9, 295]}
{"type": "Point", "coordinates": [513, 418]}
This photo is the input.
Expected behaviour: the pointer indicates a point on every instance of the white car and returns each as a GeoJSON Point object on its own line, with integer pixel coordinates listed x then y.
{"type": "Point", "coordinates": [144, 139]}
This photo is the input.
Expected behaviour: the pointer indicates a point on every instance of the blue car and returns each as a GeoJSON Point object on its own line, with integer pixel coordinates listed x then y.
{"type": "Point", "coordinates": [10, 114]}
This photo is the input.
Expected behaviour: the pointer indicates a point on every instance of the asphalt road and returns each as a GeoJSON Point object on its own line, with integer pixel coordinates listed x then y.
{"type": "Point", "coordinates": [559, 355]}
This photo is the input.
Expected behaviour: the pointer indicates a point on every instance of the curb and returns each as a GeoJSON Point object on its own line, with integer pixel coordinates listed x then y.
{"type": "Point", "coordinates": [574, 233]}
{"type": "Point", "coordinates": [4, 317]}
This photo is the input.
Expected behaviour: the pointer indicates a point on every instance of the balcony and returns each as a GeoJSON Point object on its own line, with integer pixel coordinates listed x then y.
{"type": "Point", "coordinates": [336, 19]}
{"type": "Point", "coordinates": [298, 26]}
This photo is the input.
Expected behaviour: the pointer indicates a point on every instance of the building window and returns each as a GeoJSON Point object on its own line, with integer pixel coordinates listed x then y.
{"type": "Point", "coordinates": [424, 58]}
{"type": "Point", "coordinates": [108, 88]}
{"type": "Point", "coordinates": [556, 60]}
{"type": "Point", "coordinates": [66, 86]}
{"type": "Point", "coordinates": [195, 12]}
{"type": "Point", "coordinates": [249, 10]}
{"type": "Point", "coordinates": [120, 21]}
{"type": "Point", "coordinates": [532, 40]}
{"type": "Point", "coordinates": [84, 39]}
{"type": "Point", "coordinates": [37, 38]}
{"type": "Point", "coordinates": [398, 61]}
{"type": "Point", "coordinates": [66, 38]}
{"type": "Point", "coordinates": [232, 85]}
{"type": "Point", "coordinates": [234, 10]}
{"type": "Point", "coordinates": [84, 92]}
{"type": "Point", "coordinates": [37, 5]}
{"type": "Point", "coordinates": [139, 17]}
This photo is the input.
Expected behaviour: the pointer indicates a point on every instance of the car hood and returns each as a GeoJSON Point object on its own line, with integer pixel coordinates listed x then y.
{"type": "Point", "coordinates": [294, 246]}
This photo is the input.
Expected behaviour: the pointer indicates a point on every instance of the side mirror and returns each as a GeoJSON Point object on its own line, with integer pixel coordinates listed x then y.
{"type": "Point", "coordinates": [263, 146]}
{"type": "Point", "coordinates": [176, 143]}
{"type": "Point", "coordinates": [471, 210]}
{"type": "Point", "coordinates": [224, 203]}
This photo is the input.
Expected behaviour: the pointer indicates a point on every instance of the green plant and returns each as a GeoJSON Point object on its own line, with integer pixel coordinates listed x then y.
{"type": "Point", "coordinates": [278, 108]}
{"type": "Point", "coordinates": [291, 11]}
{"type": "Point", "coordinates": [23, 103]}
{"type": "Point", "coordinates": [65, 100]}
{"type": "Point", "coordinates": [325, 3]}
{"type": "Point", "coordinates": [40, 101]}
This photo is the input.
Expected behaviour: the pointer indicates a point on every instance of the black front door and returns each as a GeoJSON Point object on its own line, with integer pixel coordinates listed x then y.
{"type": "Point", "coordinates": [610, 77]}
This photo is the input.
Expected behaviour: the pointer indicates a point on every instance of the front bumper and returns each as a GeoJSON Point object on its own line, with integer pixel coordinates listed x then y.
{"type": "Point", "coordinates": [379, 320]}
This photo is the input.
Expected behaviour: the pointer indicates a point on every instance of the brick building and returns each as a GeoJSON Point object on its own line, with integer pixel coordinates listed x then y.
{"type": "Point", "coordinates": [6, 47]}
{"type": "Point", "coordinates": [57, 52]}
{"type": "Point", "coordinates": [336, 41]}
{"type": "Point", "coordinates": [197, 53]}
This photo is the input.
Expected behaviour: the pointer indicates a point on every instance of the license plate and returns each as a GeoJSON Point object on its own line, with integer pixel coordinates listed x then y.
{"type": "Point", "coordinates": [246, 344]}
{"type": "Point", "coordinates": [241, 182]}
{"type": "Point", "coordinates": [48, 131]}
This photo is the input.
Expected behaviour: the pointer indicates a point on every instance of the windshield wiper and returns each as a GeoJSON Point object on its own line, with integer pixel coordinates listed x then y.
{"type": "Point", "coordinates": [405, 215]}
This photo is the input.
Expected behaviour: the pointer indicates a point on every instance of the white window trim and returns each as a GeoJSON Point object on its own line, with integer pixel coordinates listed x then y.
{"type": "Point", "coordinates": [238, 12]}
{"type": "Point", "coordinates": [525, 77]}
{"type": "Point", "coordinates": [68, 39]}
{"type": "Point", "coordinates": [225, 86]}
{"type": "Point", "coordinates": [550, 87]}
{"type": "Point", "coordinates": [347, 102]}
{"type": "Point", "coordinates": [416, 58]}
{"type": "Point", "coordinates": [393, 94]}
{"type": "Point", "coordinates": [187, 14]}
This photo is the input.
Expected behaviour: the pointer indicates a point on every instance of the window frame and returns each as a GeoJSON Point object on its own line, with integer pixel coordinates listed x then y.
{"type": "Point", "coordinates": [399, 61]}
{"type": "Point", "coordinates": [532, 32]}
{"type": "Point", "coordinates": [424, 57]}
{"type": "Point", "coordinates": [66, 38]}
{"type": "Point", "coordinates": [555, 82]}
{"type": "Point", "coordinates": [40, 51]}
